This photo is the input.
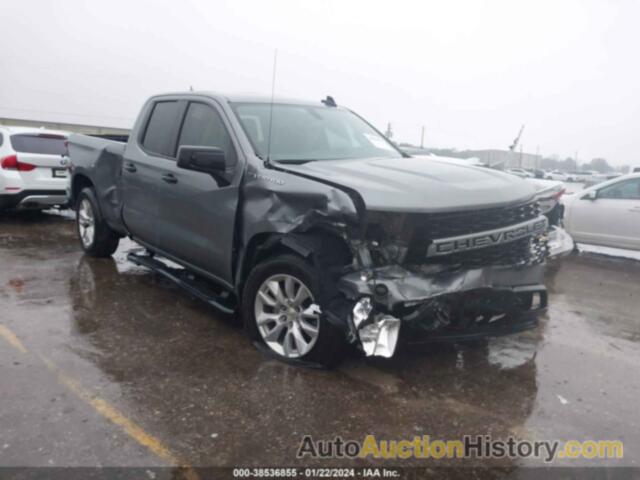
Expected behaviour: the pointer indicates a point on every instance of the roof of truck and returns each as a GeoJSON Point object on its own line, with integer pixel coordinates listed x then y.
{"type": "Point", "coordinates": [245, 98]}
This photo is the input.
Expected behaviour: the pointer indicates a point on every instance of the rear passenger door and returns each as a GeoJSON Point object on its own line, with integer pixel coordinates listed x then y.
{"type": "Point", "coordinates": [199, 209]}
{"type": "Point", "coordinates": [145, 161]}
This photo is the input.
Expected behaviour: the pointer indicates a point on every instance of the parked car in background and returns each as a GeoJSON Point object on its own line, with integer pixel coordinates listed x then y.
{"type": "Point", "coordinates": [536, 172]}
{"type": "Point", "coordinates": [556, 175]}
{"type": "Point", "coordinates": [33, 168]}
{"type": "Point", "coordinates": [579, 175]}
{"type": "Point", "coordinates": [520, 172]}
{"type": "Point", "coordinates": [597, 178]}
{"type": "Point", "coordinates": [635, 169]}
{"type": "Point", "coordinates": [607, 214]}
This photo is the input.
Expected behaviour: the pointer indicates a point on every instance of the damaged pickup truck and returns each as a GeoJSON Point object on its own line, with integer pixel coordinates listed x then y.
{"type": "Point", "coordinates": [311, 225]}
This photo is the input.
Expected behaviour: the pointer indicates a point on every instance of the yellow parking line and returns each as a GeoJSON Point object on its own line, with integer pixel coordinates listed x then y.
{"type": "Point", "coordinates": [11, 338]}
{"type": "Point", "coordinates": [106, 410]}
{"type": "Point", "coordinates": [113, 415]}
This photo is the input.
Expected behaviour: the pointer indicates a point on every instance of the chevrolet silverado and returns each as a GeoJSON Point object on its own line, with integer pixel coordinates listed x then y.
{"type": "Point", "coordinates": [314, 227]}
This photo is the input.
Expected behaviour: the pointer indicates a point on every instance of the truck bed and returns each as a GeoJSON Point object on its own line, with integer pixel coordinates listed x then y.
{"type": "Point", "coordinates": [100, 161]}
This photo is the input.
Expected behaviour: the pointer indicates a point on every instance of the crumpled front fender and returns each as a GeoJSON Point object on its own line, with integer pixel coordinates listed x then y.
{"type": "Point", "coordinates": [277, 201]}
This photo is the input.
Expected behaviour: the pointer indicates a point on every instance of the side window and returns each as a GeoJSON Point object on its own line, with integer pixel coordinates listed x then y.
{"type": "Point", "coordinates": [1, 139]}
{"type": "Point", "coordinates": [162, 126]}
{"type": "Point", "coordinates": [203, 127]}
{"type": "Point", "coordinates": [625, 190]}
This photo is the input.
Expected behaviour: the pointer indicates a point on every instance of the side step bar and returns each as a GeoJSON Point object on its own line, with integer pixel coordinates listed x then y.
{"type": "Point", "coordinates": [221, 300]}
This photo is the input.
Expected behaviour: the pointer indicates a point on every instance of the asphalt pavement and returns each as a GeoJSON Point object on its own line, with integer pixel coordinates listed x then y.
{"type": "Point", "coordinates": [103, 363]}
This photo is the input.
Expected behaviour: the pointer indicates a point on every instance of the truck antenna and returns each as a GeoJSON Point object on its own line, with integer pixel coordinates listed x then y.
{"type": "Point", "coordinates": [273, 90]}
{"type": "Point", "coordinates": [329, 101]}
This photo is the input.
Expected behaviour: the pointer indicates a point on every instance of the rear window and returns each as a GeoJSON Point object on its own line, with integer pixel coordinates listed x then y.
{"type": "Point", "coordinates": [161, 133]}
{"type": "Point", "coordinates": [39, 143]}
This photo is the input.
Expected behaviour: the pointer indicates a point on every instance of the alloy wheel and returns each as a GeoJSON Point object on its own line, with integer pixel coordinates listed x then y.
{"type": "Point", "coordinates": [286, 316]}
{"type": "Point", "coordinates": [86, 223]}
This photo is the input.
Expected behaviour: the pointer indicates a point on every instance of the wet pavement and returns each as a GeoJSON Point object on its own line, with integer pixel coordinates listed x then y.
{"type": "Point", "coordinates": [102, 348]}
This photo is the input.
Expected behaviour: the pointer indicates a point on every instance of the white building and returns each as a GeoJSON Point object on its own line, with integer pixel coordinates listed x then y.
{"type": "Point", "coordinates": [108, 132]}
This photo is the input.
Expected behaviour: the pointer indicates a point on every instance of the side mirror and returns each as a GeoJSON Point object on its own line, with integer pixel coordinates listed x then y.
{"type": "Point", "coordinates": [202, 159]}
{"type": "Point", "coordinates": [591, 195]}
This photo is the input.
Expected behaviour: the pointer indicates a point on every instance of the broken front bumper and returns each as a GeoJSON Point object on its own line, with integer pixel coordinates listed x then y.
{"type": "Point", "coordinates": [456, 305]}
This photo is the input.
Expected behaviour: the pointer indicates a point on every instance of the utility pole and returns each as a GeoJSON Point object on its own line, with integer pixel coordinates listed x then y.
{"type": "Point", "coordinates": [422, 138]}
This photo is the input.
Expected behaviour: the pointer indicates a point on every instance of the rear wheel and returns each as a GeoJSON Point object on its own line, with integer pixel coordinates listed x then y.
{"type": "Point", "coordinates": [96, 237]}
{"type": "Point", "coordinates": [282, 308]}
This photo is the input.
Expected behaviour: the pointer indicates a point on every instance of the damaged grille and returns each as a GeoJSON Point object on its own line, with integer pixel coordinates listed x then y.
{"type": "Point", "coordinates": [436, 226]}
{"type": "Point", "coordinates": [526, 251]}
{"type": "Point", "coordinates": [462, 223]}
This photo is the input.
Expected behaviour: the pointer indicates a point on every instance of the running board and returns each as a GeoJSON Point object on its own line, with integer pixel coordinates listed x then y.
{"type": "Point", "coordinates": [219, 299]}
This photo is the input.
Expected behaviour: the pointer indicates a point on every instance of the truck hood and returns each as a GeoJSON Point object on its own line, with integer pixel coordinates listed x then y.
{"type": "Point", "coordinates": [417, 184]}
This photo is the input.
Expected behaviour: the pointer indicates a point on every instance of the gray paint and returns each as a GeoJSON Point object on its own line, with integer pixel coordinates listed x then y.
{"type": "Point", "coordinates": [406, 286]}
{"type": "Point", "coordinates": [196, 221]}
{"type": "Point", "coordinates": [420, 185]}
{"type": "Point", "coordinates": [207, 227]}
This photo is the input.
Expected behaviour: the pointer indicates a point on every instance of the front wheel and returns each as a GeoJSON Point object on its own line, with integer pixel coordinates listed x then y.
{"type": "Point", "coordinates": [282, 309]}
{"type": "Point", "coordinates": [96, 237]}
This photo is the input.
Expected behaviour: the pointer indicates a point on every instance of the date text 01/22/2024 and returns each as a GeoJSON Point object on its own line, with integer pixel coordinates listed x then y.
{"type": "Point", "coordinates": [327, 472]}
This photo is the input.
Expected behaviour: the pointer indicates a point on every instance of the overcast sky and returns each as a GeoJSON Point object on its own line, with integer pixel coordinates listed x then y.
{"type": "Point", "coordinates": [471, 71]}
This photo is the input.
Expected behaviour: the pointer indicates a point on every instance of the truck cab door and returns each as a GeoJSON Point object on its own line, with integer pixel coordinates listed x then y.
{"type": "Point", "coordinates": [198, 209]}
{"type": "Point", "coordinates": [145, 161]}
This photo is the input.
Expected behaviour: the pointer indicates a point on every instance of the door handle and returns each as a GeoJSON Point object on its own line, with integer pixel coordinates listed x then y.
{"type": "Point", "coordinates": [169, 178]}
{"type": "Point", "coordinates": [130, 167]}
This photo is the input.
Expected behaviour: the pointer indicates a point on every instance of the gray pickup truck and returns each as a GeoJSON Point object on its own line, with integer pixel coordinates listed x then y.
{"type": "Point", "coordinates": [310, 224]}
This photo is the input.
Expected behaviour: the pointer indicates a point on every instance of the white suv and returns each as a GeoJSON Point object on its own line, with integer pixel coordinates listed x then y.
{"type": "Point", "coordinates": [33, 168]}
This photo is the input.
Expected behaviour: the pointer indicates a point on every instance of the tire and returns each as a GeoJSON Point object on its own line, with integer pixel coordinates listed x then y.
{"type": "Point", "coordinates": [326, 348]}
{"type": "Point", "coordinates": [96, 237]}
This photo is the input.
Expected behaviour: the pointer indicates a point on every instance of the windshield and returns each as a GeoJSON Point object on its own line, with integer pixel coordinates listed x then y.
{"type": "Point", "coordinates": [303, 133]}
